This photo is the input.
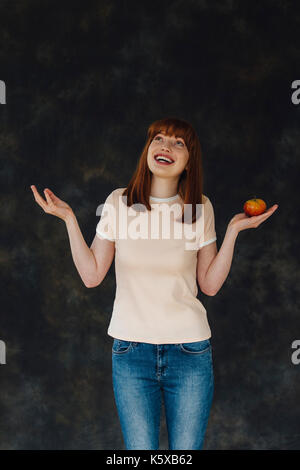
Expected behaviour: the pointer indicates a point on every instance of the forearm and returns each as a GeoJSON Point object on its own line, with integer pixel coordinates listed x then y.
{"type": "Point", "coordinates": [83, 256]}
{"type": "Point", "coordinates": [219, 268]}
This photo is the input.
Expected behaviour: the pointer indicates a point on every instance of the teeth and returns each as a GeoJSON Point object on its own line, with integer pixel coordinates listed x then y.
{"type": "Point", "coordinates": [164, 159]}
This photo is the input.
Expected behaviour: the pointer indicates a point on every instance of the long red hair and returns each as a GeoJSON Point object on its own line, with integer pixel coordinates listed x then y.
{"type": "Point", "coordinates": [190, 183]}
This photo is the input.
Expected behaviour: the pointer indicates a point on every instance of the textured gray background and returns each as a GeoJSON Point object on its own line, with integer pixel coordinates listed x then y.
{"type": "Point", "coordinates": [84, 80]}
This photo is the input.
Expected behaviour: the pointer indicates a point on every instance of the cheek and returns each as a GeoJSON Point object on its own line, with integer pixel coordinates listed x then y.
{"type": "Point", "coordinates": [183, 160]}
{"type": "Point", "coordinates": [149, 160]}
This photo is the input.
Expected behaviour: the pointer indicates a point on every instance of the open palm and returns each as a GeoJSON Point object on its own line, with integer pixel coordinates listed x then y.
{"type": "Point", "coordinates": [53, 204]}
{"type": "Point", "coordinates": [241, 221]}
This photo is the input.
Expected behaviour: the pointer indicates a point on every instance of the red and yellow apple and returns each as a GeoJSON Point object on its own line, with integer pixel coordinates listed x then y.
{"type": "Point", "coordinates": [254, 206]}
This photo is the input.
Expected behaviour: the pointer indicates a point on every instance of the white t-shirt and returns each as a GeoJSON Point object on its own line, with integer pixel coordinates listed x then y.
{"type": "Point", "coordinates": [156, 287]}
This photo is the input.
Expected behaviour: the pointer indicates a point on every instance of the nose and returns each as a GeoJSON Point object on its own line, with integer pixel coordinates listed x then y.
{"type": "Point", "coordinates": [165, 145]}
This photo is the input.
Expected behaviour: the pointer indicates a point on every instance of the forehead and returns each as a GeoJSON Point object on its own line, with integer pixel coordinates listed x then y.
{"type": "Point", "coordinates": [171, 135]}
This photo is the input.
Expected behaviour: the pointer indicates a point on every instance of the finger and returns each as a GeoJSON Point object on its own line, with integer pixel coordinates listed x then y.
{"type": "Point", "coordinates": [48, 193]}
{"type": "Point", "coordinates": [49, 200]}
{"type": "Point", "coordinates": [38, 197]}
{"type": "Point", "coordinates": [52, 195]}
{"type": "Point", "coordinates": [272, 209]}
{"type": "Point", "coordinates": [266, 215]}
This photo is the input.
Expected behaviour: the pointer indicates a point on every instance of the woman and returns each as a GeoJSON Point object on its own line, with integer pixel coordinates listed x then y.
{"type": "Point", "coordinates": [161, 346]}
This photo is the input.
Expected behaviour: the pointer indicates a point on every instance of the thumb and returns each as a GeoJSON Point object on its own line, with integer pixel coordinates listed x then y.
{"type": "Point", "coordinates": [48, 195]}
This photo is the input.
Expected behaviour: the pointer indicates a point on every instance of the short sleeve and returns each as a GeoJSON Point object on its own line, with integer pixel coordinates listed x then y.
{"type": "Point", "coordinates": [106, 227]}
{"type": "Point", "coordinates": [209, 224]}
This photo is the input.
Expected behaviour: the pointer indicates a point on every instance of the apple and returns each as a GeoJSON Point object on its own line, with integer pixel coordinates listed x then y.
{"type": "Point", "coordinates": [254, 206]}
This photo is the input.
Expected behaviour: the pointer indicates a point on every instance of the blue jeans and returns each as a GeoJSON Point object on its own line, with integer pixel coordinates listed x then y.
{"type": "Point", "coordinates": [182, 373]}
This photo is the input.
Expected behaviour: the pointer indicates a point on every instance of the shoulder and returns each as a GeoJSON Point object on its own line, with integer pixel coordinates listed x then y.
{"type": "Point", "coordinates": [113, 198]}
{"type": "Point", "coordinates": [115, 194]}
{"type": "Point", "coordinates": [207, 206]}
{"type": "Point", "coordinates": [206, 201]}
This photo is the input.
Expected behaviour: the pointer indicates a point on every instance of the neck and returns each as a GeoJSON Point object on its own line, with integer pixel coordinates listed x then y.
{"type": "Point", "coordinates": [163, 188]}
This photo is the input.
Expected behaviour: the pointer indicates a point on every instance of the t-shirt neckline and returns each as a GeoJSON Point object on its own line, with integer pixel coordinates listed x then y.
{"type": "Point", "coordinates": [164, 199]}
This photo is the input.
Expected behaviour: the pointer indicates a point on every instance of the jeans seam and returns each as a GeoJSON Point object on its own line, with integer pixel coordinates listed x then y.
{"type": "Point", "coordinates": [195, 352]}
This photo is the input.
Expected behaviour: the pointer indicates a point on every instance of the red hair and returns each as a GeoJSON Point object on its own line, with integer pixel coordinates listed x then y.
{"type": "Point", "coordinates": [190, 183]}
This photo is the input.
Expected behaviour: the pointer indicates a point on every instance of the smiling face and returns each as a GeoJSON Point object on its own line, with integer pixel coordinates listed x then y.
{"type": "Point", "coordinates": [172, 148]}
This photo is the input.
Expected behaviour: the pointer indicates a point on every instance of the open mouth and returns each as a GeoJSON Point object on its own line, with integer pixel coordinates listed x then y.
{"type": "Point", "coordinates": [163, 159]}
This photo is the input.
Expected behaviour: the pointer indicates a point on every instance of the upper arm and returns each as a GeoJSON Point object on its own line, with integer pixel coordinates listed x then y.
{"type": "Point", "coordinates": [205, 256]}
{"type": "Point", "coordinates": [104, 252]}
{"type": "Point", "coordinates": [208, 246]}
{"type": "Point", "coordinates": [103, 246]}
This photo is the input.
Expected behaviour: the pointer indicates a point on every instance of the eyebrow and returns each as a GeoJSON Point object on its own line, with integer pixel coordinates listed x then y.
{"type": "Point", "coordinates": [176, 136]}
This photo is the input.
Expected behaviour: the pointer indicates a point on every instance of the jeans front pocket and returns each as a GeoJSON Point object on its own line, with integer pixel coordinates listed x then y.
{"type": "Point", "coordinates": [120, 346]}
{"type": "Point", "coordinates": [196, 347]}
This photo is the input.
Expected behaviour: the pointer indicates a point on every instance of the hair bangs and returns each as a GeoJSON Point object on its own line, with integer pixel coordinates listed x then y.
{"type": "Point", "coordinates": [172, 126]}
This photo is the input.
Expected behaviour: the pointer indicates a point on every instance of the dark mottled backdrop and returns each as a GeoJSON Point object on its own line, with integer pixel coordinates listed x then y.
{"type": "Point", "coordinates": [83, 82]}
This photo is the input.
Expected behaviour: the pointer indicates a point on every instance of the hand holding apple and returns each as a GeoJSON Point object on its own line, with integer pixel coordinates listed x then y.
{"type": "Point", "coordinates": [256, 208]}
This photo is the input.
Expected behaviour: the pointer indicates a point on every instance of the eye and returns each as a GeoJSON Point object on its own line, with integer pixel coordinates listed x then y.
{"type": "Point", "coordinates": [177, 141]}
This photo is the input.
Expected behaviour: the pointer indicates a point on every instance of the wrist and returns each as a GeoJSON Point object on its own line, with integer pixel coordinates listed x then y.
{"type": "Point", "coordinates": [69, 217]}
{"type": "Point", "coordinates": [232, 230]}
